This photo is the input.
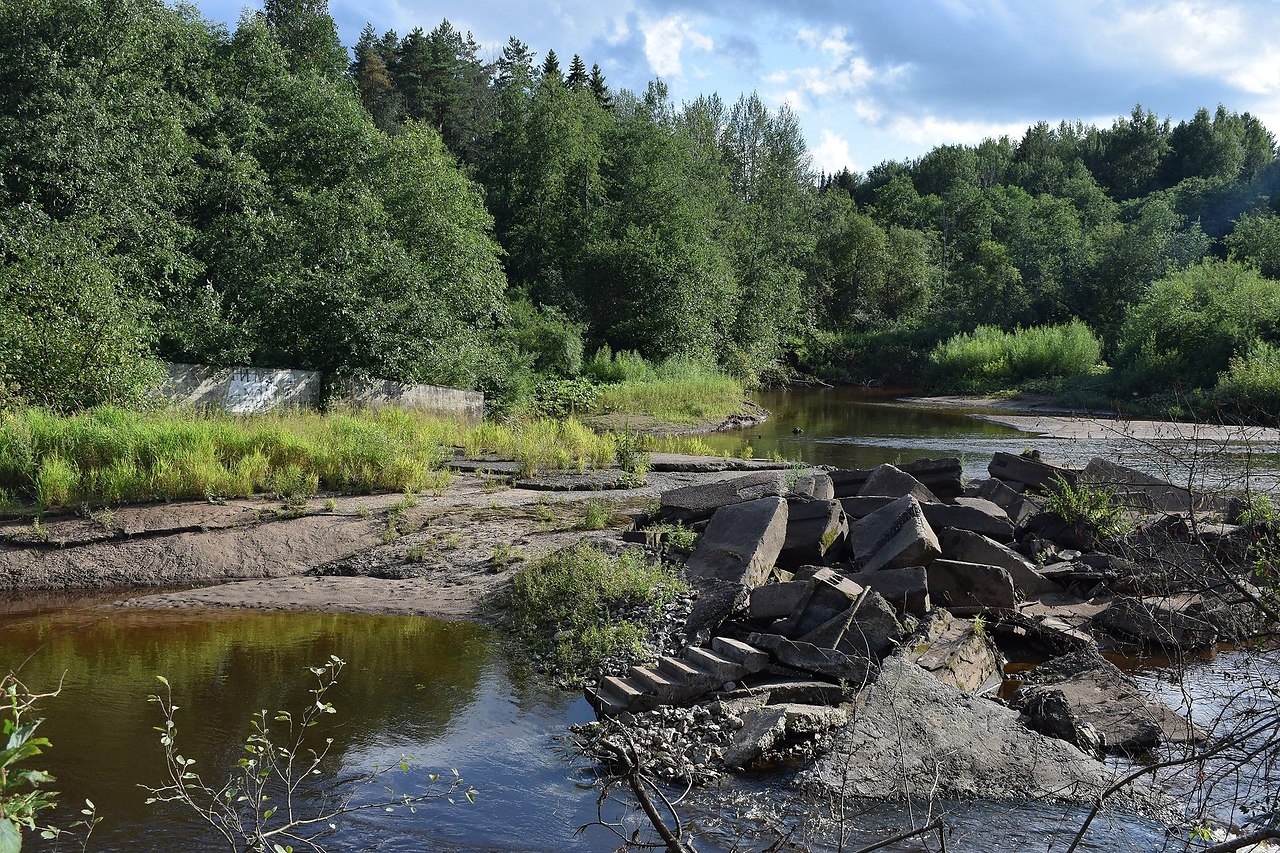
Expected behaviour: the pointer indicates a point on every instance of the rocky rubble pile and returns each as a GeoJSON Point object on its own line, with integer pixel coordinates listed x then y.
{"type": "Point", "coordinates": [855, 624]}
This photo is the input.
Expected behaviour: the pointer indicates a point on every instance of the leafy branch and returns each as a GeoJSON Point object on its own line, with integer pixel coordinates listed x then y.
{"type": "Point", "coordinates": [259, 807]}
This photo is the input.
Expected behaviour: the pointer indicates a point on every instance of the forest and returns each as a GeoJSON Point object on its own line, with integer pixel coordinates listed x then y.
{"type": "Point", "coordinates": [413, 209]}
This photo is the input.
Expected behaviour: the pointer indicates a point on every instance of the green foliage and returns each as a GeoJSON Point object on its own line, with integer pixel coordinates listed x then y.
{"type": "Point", "coordinates": [1251, 382]}
{"type": "Point", "coordinates": [562, 398]}
{"type": "Point", "coordinates": [678, 391]}
{"type": "Point", "coordinates": [989, 359]}
{"type": "Point", "coordinates": [1190, 326]}
{"type": "Point", "coordinates": [596, 514]}
{"type": "Point", "coordinates": [566, 603]}
{"type": "Point", "coordinates": [1093, 506]}
{"type": "Point", "coordinates": [630, 456]}
{"type": "Point", "coordinates": [677, 534]}
{"type": "Point", "coordinates": [24, 792]}
{"type": "Point", "coordinates": [260, 804]}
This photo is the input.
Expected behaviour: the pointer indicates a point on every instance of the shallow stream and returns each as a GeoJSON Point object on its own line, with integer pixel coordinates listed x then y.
{"type": "Point", "coordinates": [449, 695]}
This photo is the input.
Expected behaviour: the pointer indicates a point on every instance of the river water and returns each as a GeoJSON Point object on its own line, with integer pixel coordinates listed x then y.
{"type": "Point", "coordinates": [449, 695]}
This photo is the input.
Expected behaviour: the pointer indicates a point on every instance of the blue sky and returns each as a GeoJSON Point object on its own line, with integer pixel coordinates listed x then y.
{"type": "Point", "coordinates": [889, 79]}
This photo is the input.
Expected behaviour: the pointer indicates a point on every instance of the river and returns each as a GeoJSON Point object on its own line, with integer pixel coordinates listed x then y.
{"type": "Point", "coordinates": [449, 695]}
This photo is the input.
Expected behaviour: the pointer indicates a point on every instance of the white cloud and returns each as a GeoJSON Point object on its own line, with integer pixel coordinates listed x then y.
{"type": "Point", "coordinates": [1236, 45]}
{"type": "Point", "coordinates": [929, 130]}
{"type": "Point", "coordinates": [665, 40]}
{"type": "Point", "coordinates": [846, 75]}
{"type": "Point", "coordinates": [831, 154]}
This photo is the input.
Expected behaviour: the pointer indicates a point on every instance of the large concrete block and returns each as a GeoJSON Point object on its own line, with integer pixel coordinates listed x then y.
{"type": "Point", "coordinates": [888, 481]}
{"type": "Point", "coordinates": [1143, 492]}
{"type": "Point", "coordinates": [856, 670]}
{"type": "Point", "coordinates": [828, 594]}
{"type": "Point", "coordinates": [775, 600]}
{"type": "Point", "coordinates": [817, 485]}
{"type": "Point", "coordinates": [741, 543]}
{"type": "Point", "coordinates": [1028, 470]}
{"type": "Point", "coordinates": [815, 528]}
{"type": "Point", "coordinates": [894, 536]}
{"type": "Point", "coordinates": [693, 503]}
{"type": "Point", "coordinates": [907, 588]}
{"type": "Point", "coordinates": [975, 514]}
{"type": "Point", "coordinates": [940, 476]}
{"type": "Point", "coordinates": [957, 653]}
{"type": "Point", "coordinates": [1016, 505]}
{"type": "Point", "coordinates": [954, 584]}
{"type": "Point", "coordinates": [968, 547]}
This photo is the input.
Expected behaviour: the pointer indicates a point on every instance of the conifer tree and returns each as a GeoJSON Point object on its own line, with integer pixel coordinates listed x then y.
{"type": "Point", "coordinates": [577, 78]}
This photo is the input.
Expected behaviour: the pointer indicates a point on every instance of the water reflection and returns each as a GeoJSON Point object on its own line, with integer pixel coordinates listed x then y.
{"type": "Point", "coordinates": [436, 690]}
{"type": "Point", "coordinates": [860, 428]}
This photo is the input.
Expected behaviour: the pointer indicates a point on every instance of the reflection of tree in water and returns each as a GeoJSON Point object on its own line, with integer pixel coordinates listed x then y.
{"type": "Point", "coordinates": [406, 679]}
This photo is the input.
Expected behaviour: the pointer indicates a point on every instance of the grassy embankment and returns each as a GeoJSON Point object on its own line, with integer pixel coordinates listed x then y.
{"type": "Point", "coordinates": [110, 456]}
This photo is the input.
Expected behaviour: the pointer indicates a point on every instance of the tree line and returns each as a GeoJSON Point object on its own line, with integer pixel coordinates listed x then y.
{"type": "Point", "coordinates": [415, 210]}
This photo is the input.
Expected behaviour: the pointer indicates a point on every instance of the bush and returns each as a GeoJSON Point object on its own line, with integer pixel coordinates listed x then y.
{"type": "Point", "coordinates": [1193, 323]}
{"type": "Point", "coordinates": [1091, 506]}
{"type": "Point", "coordinates": [1251, 383]}
{"type": "Point", "coordinates": [988, 359]}
{"type": "Point", "coordinates": [565, 603]}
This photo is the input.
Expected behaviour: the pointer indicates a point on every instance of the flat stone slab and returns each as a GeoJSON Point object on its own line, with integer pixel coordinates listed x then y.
{"type": "Point", "coordinates": [974, 514]}
{"type": "Point", "coordinates": [1033, 472]}
{"type": "Point", "coordinates": [588, 481]}
{"type": "Point", "coordinates": [912, 736]}
{"type": "Point", "coordinates": [741, 543]}
{"type": "Point", "coordinates": [906, 589]}
{"type": "Point", "coordinates": [954, 584]}
{"type": "Point", "coordinates": [1087, 701]}
{"type": "Point", "coordinates": [1144, 492]}
{"type": "Point", "coordinates": [699, 501]}
{"type": "Point", "coordinates": [1190, 621]}
{"type": "Point", "coordinates": [940, 476]}
{"type": "Point", "coordinates": [894, 536]}
{"type": "Point", "coordinates": [710, 464]}
{"type": "Point", "coordinates": [969, 547]}
{"type": "Point", "coordinates": [854, 670]}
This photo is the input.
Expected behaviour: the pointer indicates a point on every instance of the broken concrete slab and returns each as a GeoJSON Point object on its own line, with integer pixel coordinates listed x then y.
{"type": "Point", "coordinates": [816, 529]}
{"type": "Point", "coordinates": [958, 585]}
{"type": "Point", "coordinates": [767, 728]}
{"type": "Point", "coordinates": [969, 547]}
{"type": "Point", "coordinates": [1031, 471]}
{"type": "Point", "coordinates": [1016, 505]}
{"type": "Point", "coordinates": [951, 745]}
{"type": "Point", "coordinates": [697, 502]}
{"type": "Point", "coordinates": [715, 601]}
{"type": "Point", "coordinates": [775, 600]}
{"type": "Point", "coordinates": [860, 506]}
{"type": "Point", "coordinates": [1187, 621]}
{"type": "Point", "coordinates": [940, 476]}
{"type": "Point", "coordinates": [894, 536]}
{"type": "Point", "coordinates": [974, 514]}
{"type": "Point", "coordinates": [889, 481]}
{"type": "Point", "coordinates": [875, 628]}
{"type": "Point", "coordinates": [956, 652]}
{"type": "Point", "coordinates": [907, 589]}
{"type": "Point", "coordinates": [828, 594]}
{"type": "Point", "coordinates": [815, 484]}
{"type": "Point", "coordinates": [851, 669]}
{"type": "Point", "coordinates": [1143, 492]}
{"type": "Point", "coordinates": [741, 543]}
{"type": "Point", "coordinates": [1086, 700]}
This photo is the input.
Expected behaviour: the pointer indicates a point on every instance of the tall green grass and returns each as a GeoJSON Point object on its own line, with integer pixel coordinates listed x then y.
{"type": "Point", "coordinates": [989, 359]}
{"type": "Point", "coordinates": [675, 390]}
{"type": "Point", "coordinates": [112, 456]}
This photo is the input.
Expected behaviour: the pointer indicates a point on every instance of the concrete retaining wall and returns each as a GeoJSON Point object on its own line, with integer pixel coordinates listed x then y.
{"type": "Point", "coordinates": [376, 393]}
{"type": "Point", "coordinates": [245, 390]}
{"type": "Point", "coordinates": [242, 390]}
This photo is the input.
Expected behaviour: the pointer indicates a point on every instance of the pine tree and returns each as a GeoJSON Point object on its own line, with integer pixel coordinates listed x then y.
{"type": "Point", "coordinates": [551, 67]}
{"type": "Point", "coordinates": [373, 79]}
{"type": "Point", "coordinates": [598, 88]}
{"type": "Point", "coordinates": [577, 73]}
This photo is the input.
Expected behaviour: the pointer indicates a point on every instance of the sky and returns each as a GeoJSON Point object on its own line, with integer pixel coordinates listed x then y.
{"type": "Point", "coordinates": [874, 80]}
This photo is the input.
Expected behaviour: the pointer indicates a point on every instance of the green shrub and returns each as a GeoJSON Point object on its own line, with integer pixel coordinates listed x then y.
{"type": "Point", "coordinates": [1193, 323]}
{"type": "Point", "coordinates": [1092, 506]}
{"type": "Point", "coordinates": [988, 359]}
{"type": "Point", "coordinates": [1251, 382]}
{"type": "Point", "coordinates": [564, 603]}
